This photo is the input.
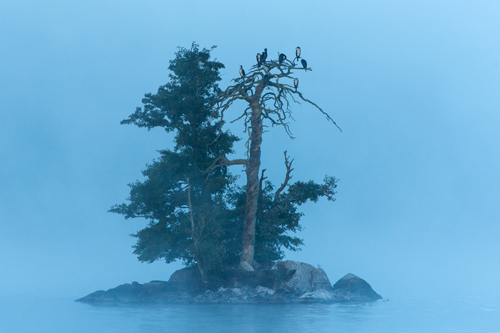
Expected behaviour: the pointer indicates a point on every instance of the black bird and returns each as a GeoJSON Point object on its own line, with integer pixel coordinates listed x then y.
{"type": "Point", "coordinates": [242, 71]}
{"type": "Point", "coordinates": [296, 83]}
{"type": "Point", "coordinates": [259, 57]}
{"type": "Point", "coordinates": [297, 52]}
{"type": "Point", "coordinates": [304, 63]}
{"type": "Point", "coordinates": [263, 57]}
{"type": "Point", "coordinates": [282, 58]}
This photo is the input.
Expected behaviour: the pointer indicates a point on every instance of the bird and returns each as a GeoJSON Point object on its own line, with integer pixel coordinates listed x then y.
{"type": "Point", "coordinates": [296, 83]}
{"type": "Point", "coordinates": [242, 71]}
{"type": "Point", "coordinates": [297, 52]}
{"type": "Point", "coordinates": [304, 63]}
{"type": "Point", "coordinates": [263, 57]}
{"type": "Point", "coordinates": [282, 58]}
{"type": "Point", "coordinates": [259, 57]}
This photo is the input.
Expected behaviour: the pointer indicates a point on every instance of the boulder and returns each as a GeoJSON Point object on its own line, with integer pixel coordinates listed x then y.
{"type": "Point", "coordinates": [186, 279]}
{"type": "Point", "coordinates": [299, 278]}
{"type": "Point", "coordinates": [320, 281]}
{"type": "Point", "coordinates": [354, 288]}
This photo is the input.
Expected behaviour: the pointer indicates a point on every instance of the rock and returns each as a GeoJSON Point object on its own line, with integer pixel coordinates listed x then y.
{"type": "Point", "coordinates": [295, 276]}
{"type": "Point", "coordinates": [320, 296]}
{"type": "Point", "coordinates": [320, 280]}
{"type": "Point", "coordinates": [185, 280]}
{"type": "Point", "coordinates": [299, 278]}
{"type": "Point", "coordinates": [121, 294]}
{"type": "Point", "coordinates": [284, 282]}
{"type": "Point", "coordinates": [152, 292]}
{"type": "Point", "coordinates": [245, 266]}
{"type": "Point", "coordinates": [92, 298]}
{"type": "Point", "coordinates": [283, 295]}
{"type": "Point", "coordinates": [353, 288]}
{"type": "Point", "coordinates": [260, 289]}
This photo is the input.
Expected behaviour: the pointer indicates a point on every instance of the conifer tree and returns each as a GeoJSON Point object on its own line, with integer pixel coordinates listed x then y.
{"type": "Point", "coordinates": [186, 212]}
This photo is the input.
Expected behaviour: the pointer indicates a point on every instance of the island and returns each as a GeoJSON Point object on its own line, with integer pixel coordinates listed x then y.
{"type": "Point", "coordinates": [283, 282]}
{"type": "Point", "coordinates": [231, 237]}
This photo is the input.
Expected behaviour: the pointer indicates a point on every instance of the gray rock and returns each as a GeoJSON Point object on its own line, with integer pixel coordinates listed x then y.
{"type": "Point", "coordinates": [185, 280]}
{"type": "Point", "coordinates": [260, 289]}
{"type": "Point", "coordinates": [354, 288]}
{"type": "Point", "coordinates": [320, 296]}
{"type": "Point", "coordinates": [320, 281]}
{"type": "Point", "coordinates": [299, 278]}
{"type": "Point", "coordinates": [152, 292]}
{"type": "Point", "coordinates": [283, 282]}
{"type": "Point", "coordinates": [296, 276]}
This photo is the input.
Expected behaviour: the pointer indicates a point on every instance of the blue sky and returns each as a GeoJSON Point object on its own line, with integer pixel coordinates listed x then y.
{"type": "Point", "coordinates": [414, 85]}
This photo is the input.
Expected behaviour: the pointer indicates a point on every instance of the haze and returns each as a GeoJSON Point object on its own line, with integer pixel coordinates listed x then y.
{"type": "Point", "coordinates": [414, 85]}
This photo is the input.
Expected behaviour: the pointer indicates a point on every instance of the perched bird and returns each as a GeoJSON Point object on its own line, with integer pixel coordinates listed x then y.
{"type": "Point", "coordinates": [297, 52]}
{"type": "Point", "coordinates": [266, 69]}
{"type": "Point", "coordinates": [259, 57]}
{"type": "Point", "coordinates": [242, 71]}
{"type": "Point", "coordinates": [296, 83]}
{"type": "Point", "coordinates": [282, 58]}
{"type": "Point", "coordinates": [263, 57]}
{"type": "Point", "coordinates": [304, 63]}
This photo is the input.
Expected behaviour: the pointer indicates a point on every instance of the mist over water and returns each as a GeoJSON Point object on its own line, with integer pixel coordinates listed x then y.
{"type": "Point", "coordinates": [414, 86]}
{"type": "Point", "coordinates": [422, 312]}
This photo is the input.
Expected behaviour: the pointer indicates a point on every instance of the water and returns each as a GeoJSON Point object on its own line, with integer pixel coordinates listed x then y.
{"type": "Point", "coordinates": [409, 313]}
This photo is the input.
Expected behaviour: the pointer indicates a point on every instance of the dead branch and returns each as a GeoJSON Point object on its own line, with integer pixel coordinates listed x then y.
{"type": "Point", "coordinates": [289, 170]}
{"type": "Point", "coordinates": [272, 77]}
{"type": "Point", "coordinates": [223, 161]}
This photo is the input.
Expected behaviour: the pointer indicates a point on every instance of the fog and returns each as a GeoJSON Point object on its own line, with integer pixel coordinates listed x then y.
{"type": "Point", "coordinates": [414, 86]}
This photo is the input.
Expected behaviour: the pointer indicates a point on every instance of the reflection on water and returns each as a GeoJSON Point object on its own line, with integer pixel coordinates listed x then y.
{"type": "Point", "coordinates": [411, 313]}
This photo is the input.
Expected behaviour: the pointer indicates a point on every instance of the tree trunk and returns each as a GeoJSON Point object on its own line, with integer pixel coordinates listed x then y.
{"type": "Point", "coordinates": [252, 189]}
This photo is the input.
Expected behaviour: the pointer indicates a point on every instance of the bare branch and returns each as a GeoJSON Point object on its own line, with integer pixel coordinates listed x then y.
{"type": "Point", "coordinates": [317, 107]}
{"type": "Point", "coordinates": [289, 170]}
{"type": "Point", "coordinates": [223, 161]}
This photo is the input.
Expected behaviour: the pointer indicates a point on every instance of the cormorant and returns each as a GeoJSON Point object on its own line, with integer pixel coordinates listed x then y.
{"type": "Point", "coordinates": [297, 52]}
{"type": "Point", "coordinates": [259, 57]}
{"type": "Point", "coordinates": [304, 63]}
{"type": "Point", "coordinates": [242, 71]}
{"type": "Point", "coordinates": [296, 83]}
{"type": "Point", "coordinates": [263, 57]}
{"type": "Point", "coordinates": [282, 58]}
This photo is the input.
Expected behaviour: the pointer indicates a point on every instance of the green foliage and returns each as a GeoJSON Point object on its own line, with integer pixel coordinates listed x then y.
{"type": "Point", "coordinates": [277, 217]}
{"type": "Point", "coordinates": [175, 179]}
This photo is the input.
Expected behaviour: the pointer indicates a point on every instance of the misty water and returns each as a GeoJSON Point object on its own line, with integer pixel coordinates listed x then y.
{"type": "Point", "coordinates": [418, 312]}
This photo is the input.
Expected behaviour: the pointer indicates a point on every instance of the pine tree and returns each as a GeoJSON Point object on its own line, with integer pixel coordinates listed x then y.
{"type": "Point", "coordinates": [186, 212]}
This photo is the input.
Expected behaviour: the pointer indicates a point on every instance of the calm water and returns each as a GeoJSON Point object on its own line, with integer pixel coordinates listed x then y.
{"type": "Point", "coordinates": [411, 313]}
